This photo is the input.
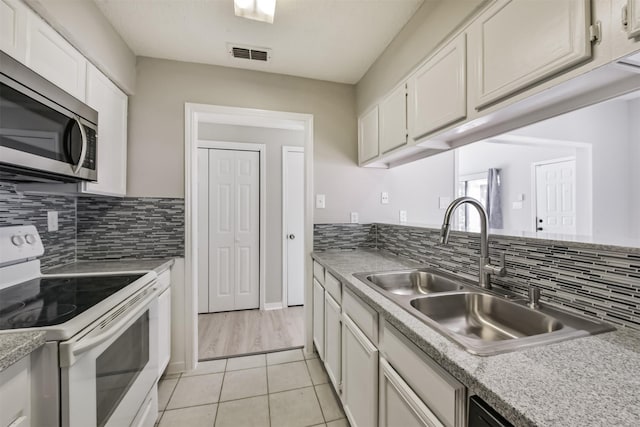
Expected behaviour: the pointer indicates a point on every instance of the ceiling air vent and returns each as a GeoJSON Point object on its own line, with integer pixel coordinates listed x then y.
{"type": "Point", "coordinates": [248, 52]}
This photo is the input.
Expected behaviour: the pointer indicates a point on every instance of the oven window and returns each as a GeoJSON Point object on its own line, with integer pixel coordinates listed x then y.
{"type": "Point", "coordinates": [119, 365]}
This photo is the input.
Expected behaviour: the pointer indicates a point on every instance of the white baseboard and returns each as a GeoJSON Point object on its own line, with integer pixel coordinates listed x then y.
{"type": "Point", "coordinates": [175, 368]}
{"type": "Point", "coordinates": [273, 305]}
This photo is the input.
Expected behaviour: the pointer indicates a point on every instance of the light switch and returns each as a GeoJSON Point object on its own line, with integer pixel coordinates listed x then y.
{"type": "Point", "coordinates": [520, 197]}
{"type": "Point", "coordinates": [354, 218]}
{"type": "Point", "coordinates": [320, 204]}
{"type": "Point", "coordinates": [384, 198]}
{"type": "Point", "coordinates": [403, 216]}
{"type": "Point", "coordinates": [52, 220]}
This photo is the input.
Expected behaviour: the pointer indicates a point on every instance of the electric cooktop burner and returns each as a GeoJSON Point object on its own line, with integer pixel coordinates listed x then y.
{"type": "Point", "coordinates": [48, 301]}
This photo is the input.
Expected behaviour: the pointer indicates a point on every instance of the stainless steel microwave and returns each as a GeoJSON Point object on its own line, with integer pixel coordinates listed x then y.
{"type": "Point", "coordinates": [46, 135]}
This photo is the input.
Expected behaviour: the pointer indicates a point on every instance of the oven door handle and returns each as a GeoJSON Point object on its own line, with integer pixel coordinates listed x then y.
{"type": "Point", "coordinates": [74, 348]}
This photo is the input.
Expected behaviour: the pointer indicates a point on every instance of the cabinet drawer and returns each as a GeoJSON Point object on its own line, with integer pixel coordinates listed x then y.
{"type": "Point", "coordinates": [444, 395]}
{"type": "Point", "coordinates": [333, 286]}
{"type": "Point", "coordinates": [15, 394]}
{"type": "Point", "coordinates": [362, 314]}
{"type": "Point", "coordinates": [318, 272]}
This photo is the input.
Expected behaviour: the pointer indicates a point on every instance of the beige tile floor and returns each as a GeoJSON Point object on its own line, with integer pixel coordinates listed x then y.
{"type": "Point", "coordinates": [271, 390]}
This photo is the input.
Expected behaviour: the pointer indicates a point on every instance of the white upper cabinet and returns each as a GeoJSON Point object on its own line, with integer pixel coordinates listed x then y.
{"type": "Point", "coordinates": [393, 120]}
{"type": "Point", "coordinates": [111, 105]}
{"type": "Point", "coordinates": [368, 135]}
{"type": "Point", "coordinates": [633, 18]}
{"type": "Point", "coordinates": [438, 90]}
{"type": "Point", "coordinates": [519, 43]}
{"type": "Point", "coordinates": [51, 56]}
{"type": "Point", "coordinates": [13, 28]}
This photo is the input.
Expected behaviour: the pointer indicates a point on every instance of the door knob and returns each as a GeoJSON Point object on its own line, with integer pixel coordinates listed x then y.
{"type": "Point", "coordinates": [292, 236]}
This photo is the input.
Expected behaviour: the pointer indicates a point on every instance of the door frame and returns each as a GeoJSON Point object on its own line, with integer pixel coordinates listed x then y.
{"type": "Point", "coordinates": [534, 186]}
{"type": "Point", "coordinates": [261, 149]}
{"type": "Point", "coordinates": [195, 113]}
{"type": "Point", "coordinates": [285, 282]}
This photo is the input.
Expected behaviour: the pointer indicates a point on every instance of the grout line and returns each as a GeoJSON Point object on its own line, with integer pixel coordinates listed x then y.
{"type": "Point", "coordinates": [224, 374]}
{"type": "Point", "coordinates": [315, 392]}
{"type": "Point", "coordinates": [254, 353]}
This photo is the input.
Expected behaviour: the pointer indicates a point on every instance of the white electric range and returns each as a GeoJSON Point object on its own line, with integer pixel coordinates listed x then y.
{"type": "Point", "coordinates": [99, 366]}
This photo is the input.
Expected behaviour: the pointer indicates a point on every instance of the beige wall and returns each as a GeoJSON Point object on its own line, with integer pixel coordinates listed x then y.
{"type": "Point", "coordinates": [82, 23]}
{"type": "Point", "coordinates": [274, 139]}
{"type": "Point", "coordinates": [432, 23]}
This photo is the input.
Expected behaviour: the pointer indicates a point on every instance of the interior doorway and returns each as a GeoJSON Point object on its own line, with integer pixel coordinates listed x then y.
{"type": "Point", "coordinates": [228, 329]}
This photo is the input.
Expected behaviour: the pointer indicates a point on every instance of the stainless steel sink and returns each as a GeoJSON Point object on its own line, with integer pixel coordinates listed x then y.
{"type": "Point", "coordinates": [414, 282]}
{"type": "Point", "coordinates": [485, 317]}
{"type": "Point", "coordinates": [483, 322]}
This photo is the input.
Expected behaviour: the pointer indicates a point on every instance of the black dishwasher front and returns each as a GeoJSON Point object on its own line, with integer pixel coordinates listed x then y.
{"type": "Point", "coordinates": [483, 415]}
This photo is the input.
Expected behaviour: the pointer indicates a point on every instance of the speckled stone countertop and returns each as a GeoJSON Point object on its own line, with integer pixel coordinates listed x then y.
{"type": "Point", "coordinates": [15, 346]}
{"type": "Point", "coordinates": [590, 381]}
{"type": "Point", "coordinates": [113, 266]}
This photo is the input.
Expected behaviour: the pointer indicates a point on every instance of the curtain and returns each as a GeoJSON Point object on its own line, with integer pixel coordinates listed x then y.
{"type": "Point", "coordinates": [494, 199]}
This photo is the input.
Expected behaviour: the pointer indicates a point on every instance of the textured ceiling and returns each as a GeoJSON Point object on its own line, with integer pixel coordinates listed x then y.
{"type": "Point", "coordinates": [335, 40]}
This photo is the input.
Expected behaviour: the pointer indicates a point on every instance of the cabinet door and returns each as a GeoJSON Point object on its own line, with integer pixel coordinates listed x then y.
{"type": "Point", "coordinates": [368, 135]}
{"type": "Point", "coordinates": [51, 56]}
{"type": "Point", "coordinates": [399, 405]}
{"type": "Point", "coordinates": [13, 28]}
{"type": "Point", "coordinates": [164, 330]}
{"type": "Point", "coordinates": [359, 376]}
{"type": "Point", "coordinates": [438, 90]}
{"type": "Point", "coordinates": [15, 394]}
{"type": "Point", "coordinates": [633, 18]}
{"type": "Point", "coordinates": [318, 318]}
{"type": "Point", "coordinates": [393, 120]}
{"type": "Point", "coordinates": [111, 105]}
{"type": "Point", "coordinates": [333, 340]}
{"type": "Point", "coordinates": [522, 42]}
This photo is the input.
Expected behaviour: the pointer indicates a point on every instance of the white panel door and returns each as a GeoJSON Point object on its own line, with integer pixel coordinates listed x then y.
{"type": "Point", "coordinates": [438, 90]}
{"type": "Point", "coordinates": [520, 43]}
{"type": "Point", "coordinates": [111, 105]}
{"type": "Point", "coordinates": [293, 197]}
{"type": "Point", "coordinates": [359, 376]}
{"type": "Point", "coordinates": [222, 239]}
{"type": "Point", "coordinates": [203, 230]}
{"type": "Point", "coordinates": [393, 120]}
{"type": "Point", "coordinates": [51, 56]}
{"type": "Point", "coordinates": [556, 197]}
{"type": "Point", "coordinates": [247, 229]}
{"type": "Point", "coordinates": [368, 135]}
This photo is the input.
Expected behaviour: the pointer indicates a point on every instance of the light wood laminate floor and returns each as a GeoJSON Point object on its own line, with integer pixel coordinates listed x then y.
{"type": "Point", "coordinates": [235, 333]}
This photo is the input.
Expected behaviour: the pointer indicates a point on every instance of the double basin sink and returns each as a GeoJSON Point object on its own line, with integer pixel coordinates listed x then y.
{"type": "Point", "coordinates": [483, 322]}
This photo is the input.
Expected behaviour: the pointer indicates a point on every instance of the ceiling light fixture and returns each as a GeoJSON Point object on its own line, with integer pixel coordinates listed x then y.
{"type": "Point", "coordinates": [258, 10]}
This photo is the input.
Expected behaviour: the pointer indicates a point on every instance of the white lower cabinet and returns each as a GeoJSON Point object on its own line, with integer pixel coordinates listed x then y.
{"type": "Point", "coordinates": [15, 394]}
{"type": "Point", "coordinates": [333, 341]}
{"type": "Point", "coordinates": [359, 376]}
{"type": "Point", "coordinates": [164, 330]}
{"type": "Point", "coordinates": [399, 405]}
{"type": "Point", "coordinates": [318, 318]}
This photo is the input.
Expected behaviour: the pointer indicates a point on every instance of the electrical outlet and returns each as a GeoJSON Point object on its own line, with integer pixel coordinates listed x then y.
{"type": "Point", "coordinates": [516, 206]}
{"type": "Point", "coordinates": [384, 198]}
{"type": "Point", "coordinates": [403, 216]}
{"type": "Point", "coordinates": [354, 218]}
{"type": "Point", "coordinates": [52, 220]}
{"type": "Point", "coordinates": [320, 201]}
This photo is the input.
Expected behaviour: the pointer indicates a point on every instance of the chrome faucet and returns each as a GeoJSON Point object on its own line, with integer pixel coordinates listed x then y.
{"type": "Point", "coordinates": [486, 268]}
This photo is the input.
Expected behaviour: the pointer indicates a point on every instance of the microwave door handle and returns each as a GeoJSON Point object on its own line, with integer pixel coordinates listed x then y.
{"type": "Point", "coordinates": [71, 350]}
{"type": "Point", "coordinates": [83, 150]}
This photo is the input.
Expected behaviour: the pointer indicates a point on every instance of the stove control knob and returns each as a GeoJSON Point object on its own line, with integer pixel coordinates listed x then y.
{"type": "Point", "coordinates": [17, 240]}
{"type": "Point", "coordinates": [30, 238]}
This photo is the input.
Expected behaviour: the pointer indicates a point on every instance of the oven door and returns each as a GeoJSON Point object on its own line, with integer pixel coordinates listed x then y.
{"type": "Point", "coordinates": [107, 373]}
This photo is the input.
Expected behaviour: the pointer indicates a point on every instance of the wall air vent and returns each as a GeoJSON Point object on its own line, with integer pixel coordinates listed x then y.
{"type": "Point", "coordinates": [249, 52]}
